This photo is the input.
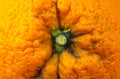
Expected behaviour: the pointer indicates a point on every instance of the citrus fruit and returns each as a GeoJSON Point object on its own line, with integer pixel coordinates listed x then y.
{"type": "Point", "coordinates": [59, 39]}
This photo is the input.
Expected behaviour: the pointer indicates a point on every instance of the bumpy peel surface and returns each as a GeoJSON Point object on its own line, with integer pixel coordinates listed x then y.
{"type": "Point", "coordinates": [26, 44]}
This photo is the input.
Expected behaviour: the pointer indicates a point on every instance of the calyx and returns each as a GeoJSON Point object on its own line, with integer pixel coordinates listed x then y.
{"type": "Point", "coordinates": [61, 39]}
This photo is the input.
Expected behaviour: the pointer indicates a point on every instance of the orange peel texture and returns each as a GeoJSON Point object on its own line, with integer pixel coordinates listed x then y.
{"type": "Point", "coordinates": [26, 43]}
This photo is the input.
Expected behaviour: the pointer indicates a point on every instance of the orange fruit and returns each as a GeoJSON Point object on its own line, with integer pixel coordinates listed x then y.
{"type": "Point", "coordinates": [26, 50]}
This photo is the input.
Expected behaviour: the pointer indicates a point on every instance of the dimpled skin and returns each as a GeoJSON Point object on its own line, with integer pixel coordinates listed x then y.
{"type": "Point", "coordinates": [26, 44]}
{"type": "Point", "coordinates": [25, 40]}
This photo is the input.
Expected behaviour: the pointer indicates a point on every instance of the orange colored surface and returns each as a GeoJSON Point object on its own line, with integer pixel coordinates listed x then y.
{"type": "Point", "coordinates": [26, 45]}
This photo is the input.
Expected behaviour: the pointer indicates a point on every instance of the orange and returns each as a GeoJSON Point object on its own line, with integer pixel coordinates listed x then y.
{"type": "Point", "coordinates": [26, 43]}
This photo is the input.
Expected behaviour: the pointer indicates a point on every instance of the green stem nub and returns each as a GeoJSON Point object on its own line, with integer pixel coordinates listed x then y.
{"type": "Point", "coordinates": [60, 39]}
